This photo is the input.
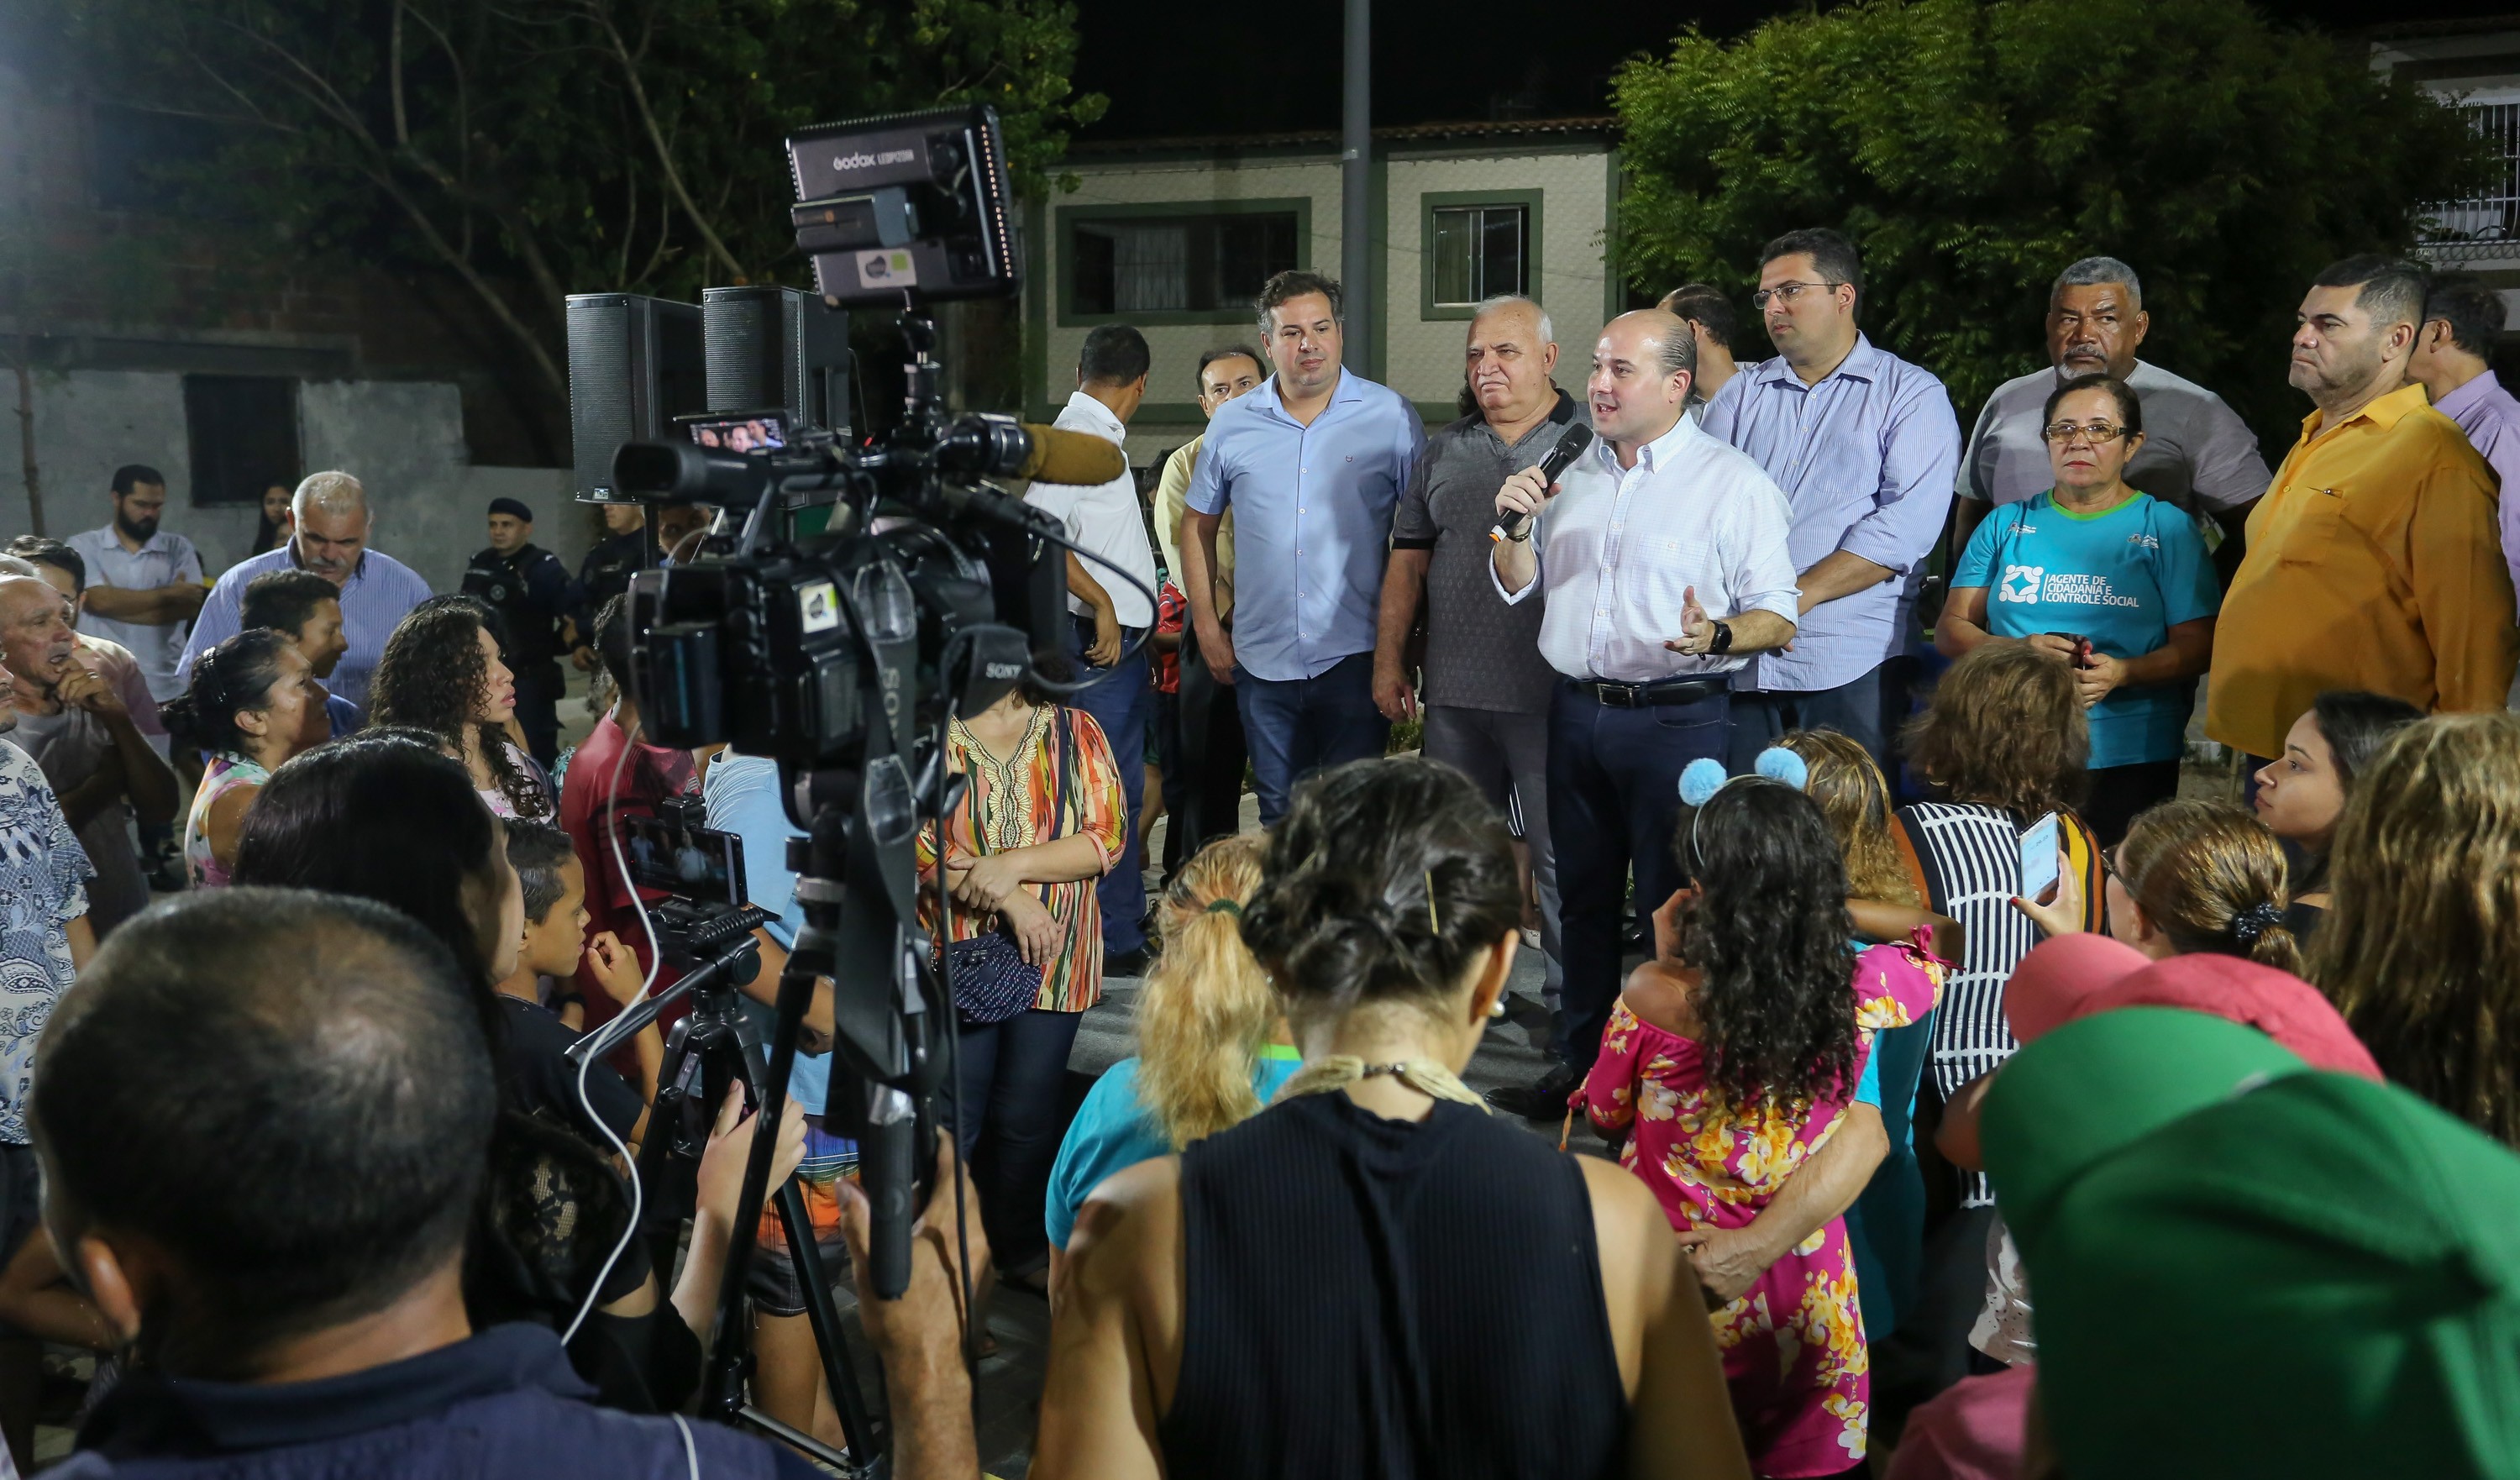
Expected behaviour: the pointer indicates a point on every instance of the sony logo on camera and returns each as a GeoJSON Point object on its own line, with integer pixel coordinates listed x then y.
{"type": "Point", "coordinates": [863, 161]}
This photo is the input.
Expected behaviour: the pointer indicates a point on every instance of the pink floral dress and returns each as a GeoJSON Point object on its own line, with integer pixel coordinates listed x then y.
{"type": "Point", "coordinates": [1793, 1343]}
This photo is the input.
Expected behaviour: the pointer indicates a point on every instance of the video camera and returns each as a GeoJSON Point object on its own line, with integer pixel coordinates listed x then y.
{"type": "Point", "coordinates": [843, 654]}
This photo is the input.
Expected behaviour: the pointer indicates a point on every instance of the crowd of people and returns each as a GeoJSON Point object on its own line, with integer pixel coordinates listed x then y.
{"type": "Point", "coordinates": [1947, 1074]}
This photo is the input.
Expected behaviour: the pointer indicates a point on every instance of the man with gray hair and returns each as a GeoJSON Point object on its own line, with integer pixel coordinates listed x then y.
{"type": "Point", "coordinates": [2197, 453]}
{"type": "Point", "coordinates": [1484, 683]}
{"type": "Point", "coordinates": [331, 539]}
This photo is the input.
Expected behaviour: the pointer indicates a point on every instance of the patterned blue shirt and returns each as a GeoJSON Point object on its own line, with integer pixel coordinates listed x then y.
{"type": "Point", "coordinates": [1312, 519]}
{"type": "Point", "coordinates": [43, 887]}
{"type": "Point", "coordinates": [373, 598]}
{"type": "Point", "coordinates": [1867, 459]}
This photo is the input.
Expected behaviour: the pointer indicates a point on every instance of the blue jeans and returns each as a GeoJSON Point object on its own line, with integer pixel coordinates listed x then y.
{"type": "Point", "coordinates": [1123, 703]}
{"type": "Point", "coordinates": [1013, 1085]}
{"type": "Point", "coordinates": [1298, 726]}
{"type": "Point", "coordinates": [1613, 802]}
{"type": "Point", "coordinates": [1760, 717]}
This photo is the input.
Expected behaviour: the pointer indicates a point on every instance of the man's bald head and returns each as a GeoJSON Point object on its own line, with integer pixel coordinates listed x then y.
{"type": "Point", "coordinates": [36, 639]}
{"type": "Point", "coordinates": [285, 1096]}
{"type": "Point", "coordinates": [1642, 367]}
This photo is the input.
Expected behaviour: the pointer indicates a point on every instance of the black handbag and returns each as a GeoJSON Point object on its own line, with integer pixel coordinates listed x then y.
{"type": "Point", "coordinates": [989, 976]}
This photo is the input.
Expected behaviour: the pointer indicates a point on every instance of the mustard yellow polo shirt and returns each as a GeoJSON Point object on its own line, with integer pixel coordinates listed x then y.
{"type": "Point", "coordinates": [2374, 561]}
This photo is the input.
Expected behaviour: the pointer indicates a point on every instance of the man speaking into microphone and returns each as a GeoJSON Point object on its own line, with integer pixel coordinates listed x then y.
{"type": "Point", "coordinates": [1660, 553]}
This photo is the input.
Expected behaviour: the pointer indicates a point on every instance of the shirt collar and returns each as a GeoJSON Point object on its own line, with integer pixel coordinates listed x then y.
{"type": "Point", "coordinates": [1862, 363]}
{"type": "Point", "coordinates": [1656, 454]}
{"type": "Point", "coordinates": [160, 543]}
{"type": "Point", "coordinates": [1345, 392]}
{"type": "Point", "coordinates": [2384, 412]}
{"type": "Point", "coordinates": [289, 547]}
{"type": "Point", "coordinates": [1104, 421]}
{"type": "Point", "coordinates": [148, 1413]}
{"type": "Point", "coordinates": [2484, 388]}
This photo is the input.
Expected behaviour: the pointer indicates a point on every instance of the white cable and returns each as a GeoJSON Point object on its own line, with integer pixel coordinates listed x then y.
{"type": "Point", "coordinates": [690, 1451]}
{"type": "Point", "coordinates": [655, 959]}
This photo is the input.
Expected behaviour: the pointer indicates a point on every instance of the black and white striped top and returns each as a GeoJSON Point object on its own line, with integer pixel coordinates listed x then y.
{"type": "Point", "coordinates": [1971, 856]}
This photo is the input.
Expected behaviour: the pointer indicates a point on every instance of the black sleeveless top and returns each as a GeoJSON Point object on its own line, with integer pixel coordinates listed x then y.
{"type": "Point", "coordinates": [1390, 1299]}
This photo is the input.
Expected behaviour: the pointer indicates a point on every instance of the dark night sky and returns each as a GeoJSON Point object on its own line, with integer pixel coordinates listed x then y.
{"type": "Point", "coordinates": [1208, 68]}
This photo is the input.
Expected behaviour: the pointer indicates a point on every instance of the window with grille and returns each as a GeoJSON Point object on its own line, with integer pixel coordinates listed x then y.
{"type": "Point", "coordinates": [2492, 214]}
{"type": "Point", "coordinates": [1473, 252]}
{"type": "Point", "coordinates": [1177, 264]}
{"type": "Point", "coordinates": [244, 437]}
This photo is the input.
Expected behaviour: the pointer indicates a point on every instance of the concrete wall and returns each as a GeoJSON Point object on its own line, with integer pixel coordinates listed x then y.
{"type": "Point", "coordinates": [404, 440]}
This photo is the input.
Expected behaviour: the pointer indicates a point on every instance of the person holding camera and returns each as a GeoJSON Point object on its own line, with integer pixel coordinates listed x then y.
{"type": "Point", "coordinates": [1041, 817]}
{"type": "Point", "coordinates": [304, 1310]}
{"type": "Point", "coordinates": [2109, 580]}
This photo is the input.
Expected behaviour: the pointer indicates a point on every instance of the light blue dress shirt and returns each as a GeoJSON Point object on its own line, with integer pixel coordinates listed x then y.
{"type": "Point", "coordinates": [1867, 459]}
{"type": "Point", "coordinates": [376, 596]}
{"type": "Point", "coordinates": [1312, 519]}
{"type": "Point", "coordinates": [742, 795]}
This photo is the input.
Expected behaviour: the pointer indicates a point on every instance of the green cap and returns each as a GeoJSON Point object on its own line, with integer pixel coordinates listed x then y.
{"type": "Point", "coordinates": [2240, 1268]}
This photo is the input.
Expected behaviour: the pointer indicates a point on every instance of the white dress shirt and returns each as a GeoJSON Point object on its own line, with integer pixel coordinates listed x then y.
{"type": "Point", "coordinates": [1619, 549]}
{"type": "Point", "coordinates": [1104, 519]}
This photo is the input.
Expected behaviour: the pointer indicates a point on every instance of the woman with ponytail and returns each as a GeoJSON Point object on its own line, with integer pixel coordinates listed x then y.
{"type": "Point", "coordinates": [1213, 1045]}
{"type": "Point", "coordinates": [2192, 877]}
{"type": "Point", "coordinates": [1373, 1276]}
{"type": "Point", "coordinates": [251, 704]}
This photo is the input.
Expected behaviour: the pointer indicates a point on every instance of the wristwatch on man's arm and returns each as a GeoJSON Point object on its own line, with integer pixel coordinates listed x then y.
{"type": "Point", "coordinates": [1721, 642]}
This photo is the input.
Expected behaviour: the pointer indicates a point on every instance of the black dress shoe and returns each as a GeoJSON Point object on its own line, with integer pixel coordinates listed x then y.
{"type": "Point", "coordinates": [1133, 964]}
{"type": "Point", "coordinates": [1544, 1100]}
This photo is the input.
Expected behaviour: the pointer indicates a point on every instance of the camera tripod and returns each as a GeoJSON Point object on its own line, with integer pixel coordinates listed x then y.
{"type": "Point", "coordinates": [714, 1046]}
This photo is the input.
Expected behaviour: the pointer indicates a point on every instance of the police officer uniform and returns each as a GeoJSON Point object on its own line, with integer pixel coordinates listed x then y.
{"type": "Point", "coordinates": [532, 594]}
{"type": "Point", "coordinates": [606, 574]}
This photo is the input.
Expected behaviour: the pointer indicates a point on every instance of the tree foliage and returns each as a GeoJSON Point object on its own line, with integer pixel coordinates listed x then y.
{"type": "Point", "coordinates": [533, 149]}
{"type": "Point", "coordinates": [1973, 148]}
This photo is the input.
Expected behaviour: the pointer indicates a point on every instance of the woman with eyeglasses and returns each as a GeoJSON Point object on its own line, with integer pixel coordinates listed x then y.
{"type": "Point", "coordinates": [2106, 579]}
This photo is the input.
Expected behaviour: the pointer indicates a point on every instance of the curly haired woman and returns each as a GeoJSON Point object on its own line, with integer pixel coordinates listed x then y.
{"type": "Point", "coordinates": [442, 672]}
{"type": "Point", "coordinates": [1729, 1064]}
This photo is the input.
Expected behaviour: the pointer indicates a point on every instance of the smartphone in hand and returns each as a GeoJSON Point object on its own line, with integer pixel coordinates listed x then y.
{"type": "Point", "coordinates": [2038, 860]}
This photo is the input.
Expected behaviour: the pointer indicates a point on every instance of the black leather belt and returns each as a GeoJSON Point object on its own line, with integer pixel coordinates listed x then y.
{"type": "Point", "coordinates": [1670, 690]}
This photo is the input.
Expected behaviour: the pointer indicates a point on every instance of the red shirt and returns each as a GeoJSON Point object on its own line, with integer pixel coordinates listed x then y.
{"type": "Point", "coordinates": [588, 794]}
{"type": "Point", "coordinates": [1171, 610]}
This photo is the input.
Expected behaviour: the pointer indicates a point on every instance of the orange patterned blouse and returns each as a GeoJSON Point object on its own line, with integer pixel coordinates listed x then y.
{"type": "Point", "coordinates": [1013, 798]}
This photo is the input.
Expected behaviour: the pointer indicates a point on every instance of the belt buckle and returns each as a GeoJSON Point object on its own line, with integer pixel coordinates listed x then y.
{"type": "Point", "coordinates": [1621, 695]}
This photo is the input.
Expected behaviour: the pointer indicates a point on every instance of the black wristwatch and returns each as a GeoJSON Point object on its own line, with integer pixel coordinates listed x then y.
{"type": "Point", "coordinates": [1723, 639]}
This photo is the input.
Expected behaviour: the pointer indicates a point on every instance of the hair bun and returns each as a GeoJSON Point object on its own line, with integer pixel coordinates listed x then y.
{"type": "Point", "coordinates": [1700, 780]}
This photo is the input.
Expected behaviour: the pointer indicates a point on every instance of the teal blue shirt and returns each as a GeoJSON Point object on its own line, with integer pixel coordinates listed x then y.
{"type": "Point", "coordinates": [1115, 1131]}
{"type": "Point", "coordinates": [2122, 578]}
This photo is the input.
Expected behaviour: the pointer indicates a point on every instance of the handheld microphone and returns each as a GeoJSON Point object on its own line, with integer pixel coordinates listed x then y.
{"type": "Point", "coordinates": [1078, 458]}
{"type": "Point", "coordinates": [1560, 457]}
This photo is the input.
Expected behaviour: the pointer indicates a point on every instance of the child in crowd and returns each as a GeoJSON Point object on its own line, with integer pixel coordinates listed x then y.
{"type": "Point", "coordinates": [1729, 1062]}
{"type": "Point", "coordinates": [556, 944]}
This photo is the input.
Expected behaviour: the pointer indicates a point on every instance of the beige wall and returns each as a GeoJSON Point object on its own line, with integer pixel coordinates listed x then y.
{"type": "Point", "coordinates": [1422, 356]}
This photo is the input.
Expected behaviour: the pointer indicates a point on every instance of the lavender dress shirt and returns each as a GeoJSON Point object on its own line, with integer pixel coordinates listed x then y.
{"type": "Point", "coordinates": [1867, 459]}
{"type": "Point", "coordinates": [2490, 418]}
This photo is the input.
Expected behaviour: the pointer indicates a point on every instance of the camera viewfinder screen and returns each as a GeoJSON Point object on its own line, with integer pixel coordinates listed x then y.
{"type": "Point", "coordinates": [696, 863]}
{"type": "Point", "coordinates": [762, 431]}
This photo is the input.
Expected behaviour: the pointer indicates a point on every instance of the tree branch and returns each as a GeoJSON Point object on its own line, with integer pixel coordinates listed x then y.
{"type": "Point", "coordinates": [717, 248]}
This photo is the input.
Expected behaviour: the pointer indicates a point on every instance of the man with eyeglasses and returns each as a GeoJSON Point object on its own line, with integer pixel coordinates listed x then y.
{"type": "Point", "coordinates": [2375, 561]}
{"type": "Point", "coordinates": [1866, 448]}
{"type": "Point", "coordinates": [2197, 454]}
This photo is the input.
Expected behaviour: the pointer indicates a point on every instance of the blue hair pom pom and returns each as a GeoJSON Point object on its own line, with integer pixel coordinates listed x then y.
{"type": "Point", "coordinates": [1778, 764]}
{"type": "Point", "coordinates": [1702, 779]}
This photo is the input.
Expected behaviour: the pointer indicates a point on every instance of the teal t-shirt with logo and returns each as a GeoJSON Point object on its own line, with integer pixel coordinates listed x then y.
{"type": "Point", "coordinates": [2122, 578]}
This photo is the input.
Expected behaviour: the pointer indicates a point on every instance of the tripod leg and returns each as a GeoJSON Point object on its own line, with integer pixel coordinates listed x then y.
{"type": "Point", "coordinates": [840, 1369]}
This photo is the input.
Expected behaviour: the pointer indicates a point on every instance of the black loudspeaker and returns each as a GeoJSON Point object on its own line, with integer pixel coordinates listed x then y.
{"type": "Point", "coordinates": [778, 350]}
{"type": "Point", "coordinates": [634, 363]}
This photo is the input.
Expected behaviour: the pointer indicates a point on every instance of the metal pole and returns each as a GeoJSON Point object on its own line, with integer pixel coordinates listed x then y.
{"type": "Point", "coordinates": [1358, 230]}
